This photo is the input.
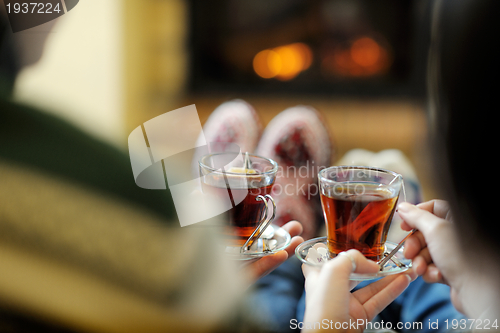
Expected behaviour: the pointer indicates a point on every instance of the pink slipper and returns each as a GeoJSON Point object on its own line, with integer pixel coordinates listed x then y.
{"type": "Point", "coordinates": [299, 141]}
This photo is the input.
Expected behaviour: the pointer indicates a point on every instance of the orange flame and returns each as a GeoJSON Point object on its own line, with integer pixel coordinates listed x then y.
{"type": "Point", "coordinates": [283, 62]}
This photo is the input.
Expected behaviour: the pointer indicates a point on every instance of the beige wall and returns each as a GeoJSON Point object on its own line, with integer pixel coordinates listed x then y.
{"type": "Point", "coordinates": [110, 65]}
{"type": "Point", "coordinates": [80, 75]}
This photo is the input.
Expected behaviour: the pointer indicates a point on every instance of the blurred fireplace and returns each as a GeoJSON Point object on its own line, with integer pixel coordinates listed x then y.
{"type": "Point", "coordinates": [324, 47]}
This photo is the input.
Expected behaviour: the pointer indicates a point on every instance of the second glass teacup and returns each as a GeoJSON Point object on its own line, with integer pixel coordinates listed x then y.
{"type": "Point", "coordinates": [358, 204]}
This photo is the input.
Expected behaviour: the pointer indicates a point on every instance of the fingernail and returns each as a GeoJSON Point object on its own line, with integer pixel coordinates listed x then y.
{"type": "Point", "coordinates": [353, 262]}
{"type": "Point", "coordinates": [404, 207]}
{"type": "Point", "coordinates": [435, 274]}
{"type": "Point", "coordinates": [409, 278]}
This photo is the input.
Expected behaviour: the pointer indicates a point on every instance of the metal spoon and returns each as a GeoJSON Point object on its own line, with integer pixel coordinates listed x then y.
{"type": "Point", "coordinates": [247, 164]}
{"type": "Point", "coordinates": [393, 252]}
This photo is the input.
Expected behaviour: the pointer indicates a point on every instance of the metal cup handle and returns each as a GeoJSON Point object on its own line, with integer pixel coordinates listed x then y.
{"type": "Point", "coordinates": [263, 224]}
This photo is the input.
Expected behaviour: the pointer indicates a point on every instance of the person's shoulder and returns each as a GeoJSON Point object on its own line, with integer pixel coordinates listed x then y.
{"type": "Point", "coordinates": [37, 139]}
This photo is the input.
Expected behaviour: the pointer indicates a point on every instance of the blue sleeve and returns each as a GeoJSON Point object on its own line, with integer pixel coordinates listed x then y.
{"type": "Point", "coordinates": [425, 303]}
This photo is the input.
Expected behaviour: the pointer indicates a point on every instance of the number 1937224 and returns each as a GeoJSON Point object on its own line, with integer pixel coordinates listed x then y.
{"type": "Point", "coordinates": [471, 324]}
{"type": "Point", "coordinates": [33, 8]}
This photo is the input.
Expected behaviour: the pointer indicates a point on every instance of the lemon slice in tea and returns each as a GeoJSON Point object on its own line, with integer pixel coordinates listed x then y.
{"type": "Point", "coordinates": [242, 170]}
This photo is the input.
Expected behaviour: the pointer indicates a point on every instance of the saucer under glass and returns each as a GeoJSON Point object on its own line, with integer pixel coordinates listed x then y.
{"type": "Point", "coordinates": [271, 241]}
{"type": "Point", "coordinates": [314, 252]}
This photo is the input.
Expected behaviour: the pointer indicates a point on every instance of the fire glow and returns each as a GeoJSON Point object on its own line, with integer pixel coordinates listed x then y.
{"type": "Point", "coordinates": [364, 56]}
{"type": "Point", "coordinates": [283, 62]}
